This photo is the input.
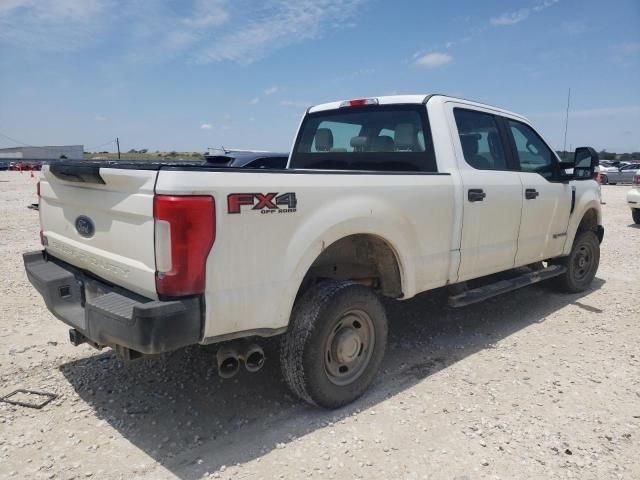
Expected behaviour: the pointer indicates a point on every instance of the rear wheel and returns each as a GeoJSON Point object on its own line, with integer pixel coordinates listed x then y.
{"type": "Point", "coordinates": [635, 213]}
{"type": "Point", "coordinates": [582, 263]}
{"type": "Point", "coordinates": [604, 180]}
{"type": "Point", "coordinates": [335, 343]}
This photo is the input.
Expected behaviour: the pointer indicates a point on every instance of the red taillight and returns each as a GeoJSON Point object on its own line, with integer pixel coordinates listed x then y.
{"type": "Point", "coordinates": [359, 102]}
{"type": "Point", "coordinates": [185, 232]}
{"type": "Point", "coordinates": [636, 179]}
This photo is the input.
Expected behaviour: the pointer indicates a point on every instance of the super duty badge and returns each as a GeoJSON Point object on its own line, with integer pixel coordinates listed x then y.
{"type": "Point", "coordinates": [263, 202]}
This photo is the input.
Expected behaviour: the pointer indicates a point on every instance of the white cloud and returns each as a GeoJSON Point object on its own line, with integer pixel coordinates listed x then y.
{"type": "Point", "coordinates": [208, 13]}
{"type": "Point", "coordinates": [433, 60]}
{"type": "Point", "coordinates": [511, 18]}
{"type": "Point", "coordinates": [274, 24]}
{"type": "Point", "coordinates": [52, 25]}
{"type": "Point", "coordinates": [200, 31]}
{"type": "Point", "coordinates": [206, 126]}
{"type": "Point", "coordinates": [254, 101]}
{"type": "Point", "coordinates": [271, 90]}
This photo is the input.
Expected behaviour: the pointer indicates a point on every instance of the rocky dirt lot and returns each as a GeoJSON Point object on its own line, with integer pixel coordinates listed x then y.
{"type": "Point", "coordinates": [533, 384]}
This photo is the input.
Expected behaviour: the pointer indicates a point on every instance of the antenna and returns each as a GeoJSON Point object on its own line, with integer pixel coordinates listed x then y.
{"type": "Point", "coordinates": [566, 127]}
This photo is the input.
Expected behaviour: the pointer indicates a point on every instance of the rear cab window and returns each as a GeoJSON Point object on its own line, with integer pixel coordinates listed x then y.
{"type": "Point", "coordinates": [368, 138]}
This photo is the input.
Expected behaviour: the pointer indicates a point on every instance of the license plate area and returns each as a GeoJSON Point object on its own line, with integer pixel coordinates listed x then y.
{"type": "Point", "coordinates": [93, 290]}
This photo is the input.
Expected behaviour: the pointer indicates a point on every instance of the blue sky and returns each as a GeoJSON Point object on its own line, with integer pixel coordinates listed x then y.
{"type": "Point", "coordinates": [186, 75]}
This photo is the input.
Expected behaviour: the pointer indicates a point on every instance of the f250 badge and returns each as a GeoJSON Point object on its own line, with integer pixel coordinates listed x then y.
{"type": "Point", "coordinates": [262, 202]}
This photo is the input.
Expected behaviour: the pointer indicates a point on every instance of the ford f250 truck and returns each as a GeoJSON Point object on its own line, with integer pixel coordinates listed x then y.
{"type": "Point", "coordinates": [388, 196]}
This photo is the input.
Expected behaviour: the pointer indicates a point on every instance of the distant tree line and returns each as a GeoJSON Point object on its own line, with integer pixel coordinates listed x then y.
{"type": "Point", "coordinates": [604, 155]}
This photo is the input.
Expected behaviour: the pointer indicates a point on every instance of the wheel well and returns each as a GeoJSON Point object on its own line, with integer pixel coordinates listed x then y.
{"type": "Point", "coordinates": [589, 221]}
{"type": "Point", "coordinates": [363, 258]}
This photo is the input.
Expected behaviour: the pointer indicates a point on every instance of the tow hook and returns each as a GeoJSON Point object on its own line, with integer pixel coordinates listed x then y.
{"type": "Point", "coordinates": [76, 338]}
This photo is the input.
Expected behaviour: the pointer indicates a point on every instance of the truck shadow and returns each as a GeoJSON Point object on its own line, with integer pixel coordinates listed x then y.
{"type": "Point", "coordinates": [176, 409]}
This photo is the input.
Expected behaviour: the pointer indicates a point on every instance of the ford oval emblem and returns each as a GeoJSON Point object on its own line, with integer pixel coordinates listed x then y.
{"type": "Point", "coordinates": [85, 226]}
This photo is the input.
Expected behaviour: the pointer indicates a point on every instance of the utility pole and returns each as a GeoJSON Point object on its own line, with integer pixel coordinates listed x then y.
{"type": "Point", "coordinates": [566, 126]}
{"type": "Point", "coordinates": [118, 143]}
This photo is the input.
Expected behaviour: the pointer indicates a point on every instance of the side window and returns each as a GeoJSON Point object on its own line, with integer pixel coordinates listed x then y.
{"type": "Point", "coordinates": [533, 154]}
{"type": "Point", "coordinates": [480, 140]}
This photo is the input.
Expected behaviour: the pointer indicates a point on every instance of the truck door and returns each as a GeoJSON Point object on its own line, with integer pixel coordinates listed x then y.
{"type": "Point", "coordinates": [492, 191]}
{"type": "Point", "coordinates": [546, 200]}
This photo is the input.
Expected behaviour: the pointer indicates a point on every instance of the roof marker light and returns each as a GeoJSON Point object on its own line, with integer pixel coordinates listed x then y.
{"type": "Point", "coordinates": [359, 102]}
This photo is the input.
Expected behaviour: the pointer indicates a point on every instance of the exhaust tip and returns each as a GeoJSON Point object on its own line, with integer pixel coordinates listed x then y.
{"type": "Point", "coordinates": [254, 358]}
{"type": "Point", "coordinates": [228, 362]}
{"type": "Point", "coordinates": [229, 367]}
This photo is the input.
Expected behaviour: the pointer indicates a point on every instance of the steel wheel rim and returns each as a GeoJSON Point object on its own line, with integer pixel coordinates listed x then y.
{"type": "Point", "coordinates": [348, 348]}
{"type": "Point", "coordinates": [582, 262]}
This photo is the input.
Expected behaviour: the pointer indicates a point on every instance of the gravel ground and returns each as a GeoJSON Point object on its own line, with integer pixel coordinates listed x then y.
{"type": "Point", "coordinates": [532, 384]}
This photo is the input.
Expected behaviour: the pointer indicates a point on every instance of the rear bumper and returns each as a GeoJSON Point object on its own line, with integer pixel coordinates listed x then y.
{"type": "Point", "coordinates": [111, 316]}
{"type": "Point", "coordinates": [633, 198]}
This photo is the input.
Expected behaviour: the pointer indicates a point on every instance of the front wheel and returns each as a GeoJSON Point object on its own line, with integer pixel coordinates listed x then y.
{"type": "Point", "coordinates": [335, 343]}
{"type": "Point", "coordinates": [635, 213]}
{"type": "Point", "coordinates": [582, 263]}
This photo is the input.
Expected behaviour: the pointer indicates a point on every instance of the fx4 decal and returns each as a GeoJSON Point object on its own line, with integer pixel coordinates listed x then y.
{"type": "Point", "coordinates": [263, 202]}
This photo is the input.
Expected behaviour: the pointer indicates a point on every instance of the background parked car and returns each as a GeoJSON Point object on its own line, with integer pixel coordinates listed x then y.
{"type": "Point", "coordinates": [633, 199]}
{"type": "Point", "coordinates": [624, 174]}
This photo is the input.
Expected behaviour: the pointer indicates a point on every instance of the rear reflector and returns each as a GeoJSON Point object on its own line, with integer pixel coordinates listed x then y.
{"type": "Point", "coordinates": [185, 229]}
{"type": "Point", "coordinates": [359, 102]}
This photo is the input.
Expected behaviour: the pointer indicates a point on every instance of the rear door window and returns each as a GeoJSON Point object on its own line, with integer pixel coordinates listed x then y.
{"type": "Point", "coordinates": [371, 138]}
{"type": "Point", "coordinates": [480, 139]}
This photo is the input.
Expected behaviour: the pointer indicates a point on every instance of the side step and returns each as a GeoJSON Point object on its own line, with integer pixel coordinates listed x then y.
{"type": "Point", "coordinates": [503, 286]}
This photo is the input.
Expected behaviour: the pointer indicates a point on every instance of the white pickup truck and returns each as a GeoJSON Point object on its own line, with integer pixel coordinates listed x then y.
{"type": "Point", "coordinates": [388, 196]}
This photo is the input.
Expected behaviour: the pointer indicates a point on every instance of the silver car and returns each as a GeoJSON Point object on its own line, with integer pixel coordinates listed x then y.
{"type": "Point", "coordinates": [624, 174]}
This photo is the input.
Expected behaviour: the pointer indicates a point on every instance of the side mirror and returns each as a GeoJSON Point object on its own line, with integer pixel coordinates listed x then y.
{"type": "Point", "coordinates": [585, 163]}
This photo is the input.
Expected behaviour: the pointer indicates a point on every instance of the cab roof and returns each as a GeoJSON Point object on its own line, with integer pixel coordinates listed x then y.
{"type": "Point", "coordinates": [412, 99]}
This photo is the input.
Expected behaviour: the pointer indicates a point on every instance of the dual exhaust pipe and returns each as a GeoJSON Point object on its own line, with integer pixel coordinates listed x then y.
{"type": "Point", "coordinates": [230, 355]}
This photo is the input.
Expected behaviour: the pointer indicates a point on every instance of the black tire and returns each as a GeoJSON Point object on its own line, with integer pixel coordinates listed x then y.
{"type": "Point", "coordinates": [582, 263]}
{"type": "Point", "coordinates": [635, 213]}
{"type": "Point", "coordinates": [320, 319]}
{"type": "Point", "coordinates": [604, 180]}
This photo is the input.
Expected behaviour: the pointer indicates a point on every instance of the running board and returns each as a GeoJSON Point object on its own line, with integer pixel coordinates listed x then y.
{"type": "Point", "coordinates": [503, 286]}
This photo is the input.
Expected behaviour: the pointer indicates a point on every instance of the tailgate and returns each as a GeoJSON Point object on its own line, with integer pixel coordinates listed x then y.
{"type": "Point", "coordinates": [101, 220]}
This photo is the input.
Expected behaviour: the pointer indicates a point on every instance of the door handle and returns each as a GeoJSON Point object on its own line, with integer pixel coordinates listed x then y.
{"type": "Point", "coordinates": [476, 195]}
{"type": "Point", "coordinates": [531, 194]}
